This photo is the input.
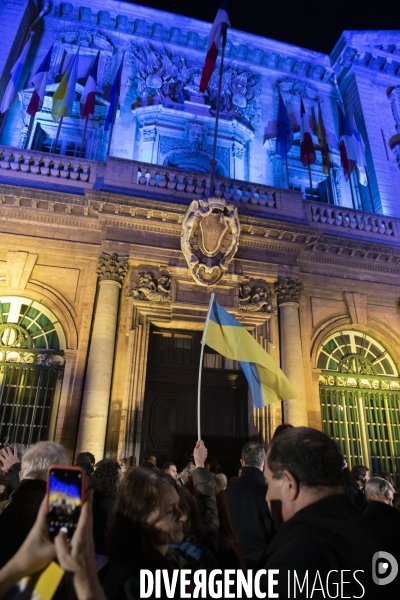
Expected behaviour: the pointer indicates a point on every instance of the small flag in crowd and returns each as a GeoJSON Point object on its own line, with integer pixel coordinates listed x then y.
{"type": "Point", "coordinates": [114, 98]}
{"type": "Point", "coordinates": [323, 142]}
{"type": "Point", "coordinates": [64, 95]}
{"type": "Point", "coordinates": [217, 33]}
{"type": "Point", "coordinates": [360, 155]}
{"type": "Point", "coordinates": [307, 150]}
{"type": "Point", "coordinates": [89, 91]}
{"type": "Point", "coordinates": [39, 82]}
{"type": "Point", "coordinates": [15, 75]}
{"type": "Point", "coordinates": [348, 154]}
{"type": "Point", "coordinates": [266, 380]}
{"type": "Point", "coordinates": [284, 131]}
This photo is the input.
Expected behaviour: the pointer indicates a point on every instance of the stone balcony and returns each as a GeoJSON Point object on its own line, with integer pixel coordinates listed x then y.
{"type": "Point", "coordinates": [115, 181]}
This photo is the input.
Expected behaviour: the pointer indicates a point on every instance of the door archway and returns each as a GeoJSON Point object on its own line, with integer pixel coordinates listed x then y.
{"type": "Point", "coordinates": [360, 399]}
{"type": "Point", "coordinates": [31, 369]}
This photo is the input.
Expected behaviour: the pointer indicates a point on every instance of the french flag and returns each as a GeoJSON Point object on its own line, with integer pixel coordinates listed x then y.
{"type": "Point", "coordinates": [39, 82]}
{"type": "Point", "coordinates": [217, 33]}
{"type": "Point", "coordinates": [89, 91]}
{"type": "Point", "coordinates": [308, 155]}
{"type": "Point", "coordinates": [347, 146]}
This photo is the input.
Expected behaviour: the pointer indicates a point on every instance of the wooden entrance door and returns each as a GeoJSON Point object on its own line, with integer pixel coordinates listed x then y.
{"type": "Point", "coordinates": [170, 404]}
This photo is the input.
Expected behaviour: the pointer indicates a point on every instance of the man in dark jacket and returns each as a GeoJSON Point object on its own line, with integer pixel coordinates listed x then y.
{"type": "Point", "coordinates": [248, 507]}
{"type": "Point", "coordinates": [20, 511]}
{"type": "Point", "coordinates": [324, 542]}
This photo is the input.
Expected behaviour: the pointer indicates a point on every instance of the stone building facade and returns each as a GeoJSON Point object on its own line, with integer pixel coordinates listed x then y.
{"type": "Point", "coordinates": [107, 263]}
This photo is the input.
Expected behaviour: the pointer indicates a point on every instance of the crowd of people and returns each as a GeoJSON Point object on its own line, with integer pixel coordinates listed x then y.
{"type": "Point", "coordinates": [293, 507]}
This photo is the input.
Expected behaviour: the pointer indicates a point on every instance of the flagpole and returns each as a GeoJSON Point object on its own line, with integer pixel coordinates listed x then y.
{"type": "Point", "coordinates": [287, 173]}
{"type": "Point", "coordinates": [203, 341]}
{"type": "Point", "coordinates": [352, 192]}
{"type": "Point", "coordinates": [213, 160]}
{"type": "Point", "coordinates": [309, 174]}
{"type": "Point", "coordinates": [84, 135]}
{"type": "Point", "coordinates": [28, 133]}
{"type": "Point", "coordinates": [58, 133]}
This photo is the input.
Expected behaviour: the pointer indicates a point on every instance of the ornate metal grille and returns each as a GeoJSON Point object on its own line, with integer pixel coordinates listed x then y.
{"type": "Point", "coordinates": [31, 370]}
{"type": "Point", "coordinates": [360, 405]}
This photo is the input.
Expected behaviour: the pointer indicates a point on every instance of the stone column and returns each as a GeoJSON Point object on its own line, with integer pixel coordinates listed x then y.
{"type": "Point", "coordinates": [93, 421]}
{"type": "Point", "coordinates": [288, 293]}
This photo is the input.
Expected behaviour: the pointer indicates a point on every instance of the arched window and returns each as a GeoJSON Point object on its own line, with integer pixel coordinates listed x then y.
{"type": "Point", "coordinates": [360, 399]}
{"type": "Point", "coordinates": [31, 369]}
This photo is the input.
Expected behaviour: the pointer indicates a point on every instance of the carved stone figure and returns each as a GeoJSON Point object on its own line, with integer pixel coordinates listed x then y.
{"type": "Point", "coordinates": [147, 287]}
{"type": "Point", "coordinates": [254, 298]}
{"type": "Point", "coordinates": [288, 290]}
{"type": "Point", "coordinates": [156, 71]}
{"type": "Point", "coordinates": [210, 238]}
{"type": "Point", "coordinates": [111, 267]}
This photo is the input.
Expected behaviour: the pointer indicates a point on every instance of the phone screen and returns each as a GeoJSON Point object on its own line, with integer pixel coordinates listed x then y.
{"type": "Point", "coordinates": [65, 500]}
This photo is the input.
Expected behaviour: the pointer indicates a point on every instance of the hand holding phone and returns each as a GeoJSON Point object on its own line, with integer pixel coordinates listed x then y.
{"type": "Point", "coordinates": [65, 493]}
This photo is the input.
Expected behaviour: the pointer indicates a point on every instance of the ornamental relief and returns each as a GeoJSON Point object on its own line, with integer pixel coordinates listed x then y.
{"type": "Point", "coordinates": [255, 297]}
{"type": "Point", "coordinates": [359, 382]}
{"type": "Point", "coordinates": [210, 238]}
{"type": "Point", "coordinates": [159, 72]}
{"type": "Point", "coordinates": [147, 286]}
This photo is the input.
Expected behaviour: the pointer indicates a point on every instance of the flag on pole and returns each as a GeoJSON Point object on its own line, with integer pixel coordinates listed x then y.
{"type": "Point", "coordinates": [360, 154]}
{"type": "Point", "coordinates": [266, 380]}
{"type": "Point", "coordinates": [323, 142]}
{"type": "Point", "coordinates": [218, 31]}
{"type": "Point", "coordinates": [348, 153]}
{"type": "Point", "coordinates": [284, 131]}
{"type": "Point", "coordinates": [39, 82]}
{"type": "Point", "coordinates": [114, 98]}
{"type": "Point", "coordinates": [64, 95]}
{"type": "Point", "coordinates": [14, 79]}
{"type": "Point", "coordinates": [89, 91]}
{"type": "Point", "coordinates": [307, 151]}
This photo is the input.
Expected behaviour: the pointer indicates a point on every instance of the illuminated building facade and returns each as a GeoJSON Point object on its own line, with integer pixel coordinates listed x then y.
{"type": "Point", "coordinates": [105, 278]}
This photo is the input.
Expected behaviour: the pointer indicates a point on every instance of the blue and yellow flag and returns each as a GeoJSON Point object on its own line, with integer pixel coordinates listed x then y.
{"type": "Point", "coordinates": [266, 380]}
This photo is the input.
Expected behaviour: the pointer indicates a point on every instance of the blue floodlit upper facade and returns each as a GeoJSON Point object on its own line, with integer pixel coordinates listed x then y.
{"type": "Point", "coordinates": [163, 118]}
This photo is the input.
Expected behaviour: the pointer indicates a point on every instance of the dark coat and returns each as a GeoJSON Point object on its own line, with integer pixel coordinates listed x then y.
{"type": "Point", "coordinates": [332, 534]}
{"type": "Point", "coordinates": [19, 516]}
{"type": "Point", "coordinates": [102, 506]}
{"type": "Point", "coordinates": [250, 515]}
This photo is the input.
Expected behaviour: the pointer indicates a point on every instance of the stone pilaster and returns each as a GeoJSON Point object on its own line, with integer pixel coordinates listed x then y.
{"type": "Point", "coordinates": [288, 293]}
{"type": "Point", "coordinates": [93, 422]}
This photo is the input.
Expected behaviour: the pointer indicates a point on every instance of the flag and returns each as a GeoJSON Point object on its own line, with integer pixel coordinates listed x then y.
{"type": "Point", "coordinates": [39, 82]}
{"type": "Point", "coordinates": [14, 79]}
{"type": "Point", "coordinates": [217, 33]}
{"type": "Point", "coordinates": [89, 91]}
{"type": "Point", "coordinates": [307, 150]}
{"type": "Point", "coordinates": [114, 98]}
{"type": "Point", "coordinates": [323, 142]}
{"type": "Point", "coordinates": [284, 131]}
{"type": "Point", "coordinates": [64, 95]}
{"type": "Point", "coordinates": [266, 380]}
{"type": "Point", "coordinates": [348, 154]}
{"type": "Point", "coordinates": [360, 154]}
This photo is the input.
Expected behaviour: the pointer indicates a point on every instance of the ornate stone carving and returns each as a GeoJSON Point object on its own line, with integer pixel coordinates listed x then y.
{"type": "Point", "coordinates": [195, 133]}
{"type": "Point", "coordinates": [288, 290]}
{"type": "Point", "coordinates": [394, 97]}
{"type": "Point", "coordinates": [298, 87]}
{"type": "Point", "coordinates": [210, 238]}
{"type": "Point", "coordinates": [238, 150]}
{"type": "Point", "coordinates": [112, 268]}
{"type": "Point", "coordinates": [254, 297]}
{"type": "Point", "coordinates": [147, 287]}
{"type": "Point", "coordinates": [162, 73]}
{"type": "Point", "coordinates": [149, 134]}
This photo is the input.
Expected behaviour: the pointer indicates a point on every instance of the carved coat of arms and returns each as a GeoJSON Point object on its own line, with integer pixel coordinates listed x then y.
{"type": "Point", "coordinates": [210, 238]}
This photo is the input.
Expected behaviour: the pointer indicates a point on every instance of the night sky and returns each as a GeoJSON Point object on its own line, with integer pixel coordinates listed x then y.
{"type": "Point", "coordinates": [312, 24]}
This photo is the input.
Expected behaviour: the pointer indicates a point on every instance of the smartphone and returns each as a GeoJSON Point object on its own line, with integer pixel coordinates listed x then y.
{"type": "Point", "coordinates": [65, 495]}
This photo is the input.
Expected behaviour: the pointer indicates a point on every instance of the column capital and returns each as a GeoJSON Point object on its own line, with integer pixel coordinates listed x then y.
{"type": "Point", "coordinates": [112, 268]}
{"type": "Point", "coordinates": [288, 290]}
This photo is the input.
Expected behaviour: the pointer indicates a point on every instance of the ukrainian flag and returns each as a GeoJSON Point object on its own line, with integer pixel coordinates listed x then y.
{"type": "Point", "coordinates": [266, 380]}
